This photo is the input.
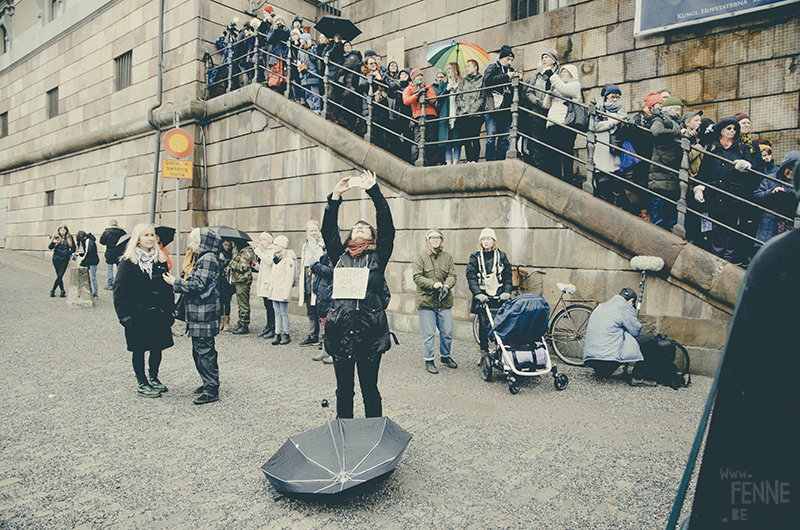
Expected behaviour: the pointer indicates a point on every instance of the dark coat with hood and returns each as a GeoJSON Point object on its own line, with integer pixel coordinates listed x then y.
{"type": "Point", "coordinates": [90, 256]}
{"type": "Point", "coordinates": [109, 238]}
{"type": "Point", "coordinates": [496, 74]}
{"type": "Point", "coordinates": [322, 284]}
{"type": "Point", "coordinates": [666, 130]}
{"type": "Point", "coordinates": [203, 305]}
{"type": "Point", "coordinates": [277, 38]}
{"type": "Point", "coordinates": [475, 280]}
{"type": "Point", "coordinates": [144, 306]}
{"type": "Point", "coordinates": [358, 329]}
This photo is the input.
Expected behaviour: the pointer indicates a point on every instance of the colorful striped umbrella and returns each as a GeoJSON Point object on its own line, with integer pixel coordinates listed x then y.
{"type": "Point", "coordinates": [456, 52]}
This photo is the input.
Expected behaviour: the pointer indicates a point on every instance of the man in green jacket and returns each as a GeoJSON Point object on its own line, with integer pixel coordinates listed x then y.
{"type": "Point", "coordinates": [241, 276]}
{"type": "Point", "coordinates": [435, 275]}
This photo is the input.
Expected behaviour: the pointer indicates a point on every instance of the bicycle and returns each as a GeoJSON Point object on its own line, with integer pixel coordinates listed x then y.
{"type": "Point", "coordinates": [567, 331]}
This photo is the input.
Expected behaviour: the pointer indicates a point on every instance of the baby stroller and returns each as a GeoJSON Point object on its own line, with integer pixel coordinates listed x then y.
{"type": "Point", "coordinates": [521, 351]}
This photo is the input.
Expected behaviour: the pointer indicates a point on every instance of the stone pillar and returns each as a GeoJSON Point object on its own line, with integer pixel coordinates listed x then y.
{"type": "Point", "coordinates": [79, 287]}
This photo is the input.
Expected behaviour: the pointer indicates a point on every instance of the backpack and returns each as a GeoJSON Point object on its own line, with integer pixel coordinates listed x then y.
{"type": "Point", "coordinates": [660, 351]}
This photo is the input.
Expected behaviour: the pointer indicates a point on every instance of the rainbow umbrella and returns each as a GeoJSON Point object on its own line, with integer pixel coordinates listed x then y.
{"type": "Point", "coordinates": [456, 52]}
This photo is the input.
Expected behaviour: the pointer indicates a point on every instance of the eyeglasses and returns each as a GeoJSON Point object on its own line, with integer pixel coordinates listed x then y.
{"type": "Point", "coordinates": [766, 152]}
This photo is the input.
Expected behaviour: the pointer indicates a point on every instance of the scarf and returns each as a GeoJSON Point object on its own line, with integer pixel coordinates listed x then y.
{"type": "Point", "coordinates": [356, 249]}
{"type": "Point", "coordinates": [146, 259]}
{"type": "Point", "coordinates": [611, 108]}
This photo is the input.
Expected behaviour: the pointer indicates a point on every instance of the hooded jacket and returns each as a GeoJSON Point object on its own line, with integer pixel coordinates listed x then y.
{"type": "Point", "coordinates": [323, 283]}
{"type": "Point", "coordinates": [282, 277]}
{"type": "Point", "coordinates": [611, 332]}
{"type": "Point", "coordinates": [666, 131]}
{"type": "Point", "coordinates": [570, 89]}
{"type": "Point", "coordinates": [109, 238]}
{"type": "Point", "coordinates": [468, 102]}
{"type": "Point", "coordinates": [203, 305]}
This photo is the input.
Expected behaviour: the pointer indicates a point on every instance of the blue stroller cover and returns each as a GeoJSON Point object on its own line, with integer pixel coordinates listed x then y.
{"type": "Point", "coordinates": [522, 320]}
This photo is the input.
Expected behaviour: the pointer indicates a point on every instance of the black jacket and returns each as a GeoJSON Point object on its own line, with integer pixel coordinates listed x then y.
{"type": "Point", "coordinates": [358, 329]}
{"type": "Point", "coordinates": [724, 176]}
{"type": "Point", "coordinates": [109, 238]}
{"type": "Point", "coordinates": [90, 256]}
{"type": "Point", "coordinates": [475, 280]}
{"type": "Point", "coordinates": [494, 75]}
{"type": "Point", "coordinates": [144, 306]}
{"type": "Point", "coordinates": [63, 250]}
{"type": "Point", "coordinates": [323, 283]}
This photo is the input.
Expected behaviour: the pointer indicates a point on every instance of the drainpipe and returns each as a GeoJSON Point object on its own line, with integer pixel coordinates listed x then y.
{"type": "Point", "coordinates": [150, 119]}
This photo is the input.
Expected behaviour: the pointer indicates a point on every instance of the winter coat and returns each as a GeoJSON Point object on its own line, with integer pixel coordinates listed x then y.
{"type": "Point", "coordinates": [534, 91]}
{"type": "Point", "coordinates": [411, 99]}
{"type": "Point", "coordinates": [394, 99]}
{"type": "Point", "coordinates": [202, 314]}
{"type": "Point", "coordinates": [109, 238]}
{"type": "Point", "coordinates": [310, 251]}
{"type": "Point", "coordinates": [334, 51]}
{"type": "Point", "coordinates": [570, 89]}
{"type": "Point", "coordinates": [264, 270]}
{"type": "Point", "coordinates": [358, 329]}
{"type": "Point", "coordinates": [611, 332]}
{"type": "Point", "coordinates": [240, 267]}
{"type": "Point", "coordinates": [781, 202]}
{"type": "Point", "coordinates": [90, 256]}
{"type": "Point", "coordinates": [447, 105]}
{"type": "Point", "coordinates": [282, 277]}
{"type": "Point", "coordinates": [323, 283]}
{"type": "Point", "coordinates": [277, 38]}
{"type": "Point", "coordinates": [604, 128]}
{"type": "Point", "coordinates": [144, 306]}
{"type": "Point", "coordinates": [666, 131]}
{"type": "Point", "coordinates": [312, 75]}
{"type": "Point", "coordinates": [469, 102]}
{"type": "Point", "coordinates": [430, 267]}
{"type": "Point", "coordinates": [63, 250]}
{"type": "Point", "coordinates": [477, 282]}
{"type": "Point", "coordinates": [495, 75]}
{"type": "Point", "coordinates": [724, 176]}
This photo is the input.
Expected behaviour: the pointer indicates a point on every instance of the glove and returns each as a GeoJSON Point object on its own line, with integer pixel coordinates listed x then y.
{"type": "Point", "coordinates": [742, 165]}
{"type": "Point", "coordinates": [481, 298]}
{"type": "Point", "coordinates": [548, 86]}
{"type": "Point", "coordinates": [504, 297]}
{"type": "Point", "coordinates": [442, 293]}
{"type": "Point", "coordinates": [698, 194]}
{"type": "Point", "coordinates": [276, 259]}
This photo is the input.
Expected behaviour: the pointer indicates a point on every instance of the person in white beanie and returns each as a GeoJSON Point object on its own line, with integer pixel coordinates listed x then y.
{"type": "Point", "coordinates": [434, 273]}
{"type": "Point", "coordinates": [560, 139]}
{"type": "Point", "coordinates": [280, 287]}
{"type": "Point", "coordinates": [489, 278]}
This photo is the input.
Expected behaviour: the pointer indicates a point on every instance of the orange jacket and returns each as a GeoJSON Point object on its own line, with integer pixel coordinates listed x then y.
{"type": "Point", "coordinates": [412, 100]}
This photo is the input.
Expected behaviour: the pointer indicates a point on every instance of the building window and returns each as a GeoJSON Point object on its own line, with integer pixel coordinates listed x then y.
{"type": "Point", "coordinates": [54, 9]}
{"type": "Point", "coordinates": [521, 9]}
{"type": "Point", "coordinates": [4, 125]}
{"type": "Point", "coordinates": [52, 103]}
{"type": "Point", "coordinates": [49, 197]}
{"type": "Point", "coordinates": [3, 37]}
{"type": "Point", "coordinates": [123, 67]}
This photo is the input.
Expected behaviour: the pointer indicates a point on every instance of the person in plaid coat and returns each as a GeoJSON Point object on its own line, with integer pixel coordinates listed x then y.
{"type": "Point", "coordinates": [203, 308]}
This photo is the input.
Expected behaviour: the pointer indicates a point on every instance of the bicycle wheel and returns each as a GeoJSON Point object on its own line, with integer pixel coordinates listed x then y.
{"type": "Point", "coordinates": [568, 333]}
{"type": "Point", "coordinates": [476, 328]}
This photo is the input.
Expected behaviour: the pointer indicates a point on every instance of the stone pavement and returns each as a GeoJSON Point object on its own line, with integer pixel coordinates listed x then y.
{"type": "Point", "coordinates": [80, 449]}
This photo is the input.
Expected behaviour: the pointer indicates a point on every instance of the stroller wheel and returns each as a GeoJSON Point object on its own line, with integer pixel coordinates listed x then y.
{"type": "Point", "coordinates": [561, 381]}
{"type": "Point", "coordinates": [486, 367]}
{"type": "Point", "coordinates": [513, 386]}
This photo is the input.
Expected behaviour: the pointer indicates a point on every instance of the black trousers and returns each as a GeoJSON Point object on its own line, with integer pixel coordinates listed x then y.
{"type": "Point", "coordinates": [641, 370]}
{"type": "Point", "coordinates": [367, 379]}
{"type": "Point", "coordinates": [431, 151]}
{"type": "Point", "coordinates": [61, 267]}
{"type": "Point", "coordinates": [138, 365]}
{"type": "Point", "coordinates": [470, 127]}
{"type": "Point", "coordinates": [561, 140]}
{"type": "Point", "coordinates": [311, 313]}
{"type": "Point", "coordinates": [270, 312]}
{"type": "Point", "coordinates": [205, 360]}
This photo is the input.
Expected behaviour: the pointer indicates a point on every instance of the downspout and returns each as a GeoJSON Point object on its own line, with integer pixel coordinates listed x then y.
{"type": "Point", "coordinates": [150, 118]}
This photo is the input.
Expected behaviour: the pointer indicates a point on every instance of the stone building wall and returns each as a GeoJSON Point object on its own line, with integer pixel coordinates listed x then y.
{"type": "Point", "coordinates": [749, 63]}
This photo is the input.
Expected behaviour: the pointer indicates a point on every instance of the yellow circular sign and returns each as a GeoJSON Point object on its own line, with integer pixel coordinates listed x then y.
{"type": "Point", "coordinates": [178, 143]}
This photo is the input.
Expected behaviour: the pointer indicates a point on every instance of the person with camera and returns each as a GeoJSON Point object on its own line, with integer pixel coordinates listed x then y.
{"type": "Point", "coordinates": [63, 246]}
{"type": "Point", "coordinates": [411, 95]}
{"type": "Point", "coordinates": [277, 40]}
{"type": "Point", "coordinates": [434, 273]}
{"type": "Point", "coordinates": [498, 94]}
{"type": "Point", "coordinates": [144, 303]}
{"type": "Point", "coordinates": [356, 328]}
{"type": "Point", "coordinates": [490, 279]}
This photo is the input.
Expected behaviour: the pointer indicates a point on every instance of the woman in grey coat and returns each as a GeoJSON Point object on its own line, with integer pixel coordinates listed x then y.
{"type": "Point", "coordinates": [606, 160]}
{"type": "Point", "coordinates": [203, 309]}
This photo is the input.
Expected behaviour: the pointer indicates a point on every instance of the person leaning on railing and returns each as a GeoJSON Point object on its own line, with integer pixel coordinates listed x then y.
{"type": "Point", "coordinates": [560, 139]}
{"type": "Point", "coordinates": [642, 142]}
{"type": "Point", "coordinates": [532, 96]}
{"type": "Point", "coordinates": [779, 198]}
{"type": "Point", "coordinates": [411, 94]}
{"type": "Point", "coordinates": [310, 77]}
{"type": "Point", "coordinates": [606, 126]}
{"type": "Point", "coordinates": [498, 94]}
{"type": "Point", "coordinates": [667, 134]}
{"type": "Point", "coordinates": [350, 98]}
{"type": "Point", "coordinates": [469, 101]}
{"type": "Point", "coordinates": [277, 38]}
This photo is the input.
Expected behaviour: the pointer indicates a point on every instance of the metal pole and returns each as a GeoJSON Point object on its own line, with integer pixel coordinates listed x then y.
{"type": "Point", "coordinates": [680, 226]}
{"type": "Point", "coordinates": [176, 121]}
{"type": "Point", "coordinates": [588, 184]}
{"type": "Point", "coordinates": [230, 59]}
{"type": "Point", "coordinates": [421, 157]}
{"type": "Point", "coordinates": [368, 135]}
{"type": "Point", "coordinates": [288, 69]}
{"type": "Point", "coordinates": [150, 117]}
{"type": "Point", "coordinates": [513, 132]}
{"type": "Point", "coordinates": [326, 86]}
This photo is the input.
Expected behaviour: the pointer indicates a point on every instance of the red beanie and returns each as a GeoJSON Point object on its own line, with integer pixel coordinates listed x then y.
{"type": "Point", "coordinates": [269, 9]}
{"type": "Point", "coordinates": [652, 98]}
{"type": "Point", "coordinates": [740, 116]}
{"type": "Point", "coordinates": [414, 73]}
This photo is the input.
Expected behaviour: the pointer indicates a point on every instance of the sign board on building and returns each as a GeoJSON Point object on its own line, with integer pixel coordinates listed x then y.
{"type": "Point", "coordinates": [176, 169]}
{"type": "Point", "coordinates": [178, 143]}
{"type": "Point", "coordinates": [656, 16]}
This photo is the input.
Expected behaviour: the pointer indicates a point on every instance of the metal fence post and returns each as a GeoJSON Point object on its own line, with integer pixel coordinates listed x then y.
{"type": "Point", "coordinates": [513, 131]}
{"type": "Point", "coordinates": [591, 139]}
{"type": "Point", "coordinates": [288, 72]}
{"type": "Point", "coordinates": [683, 175]}
{"type": "Point", "coordinates": [326, 87]}
{"type": "Point", "coordinates": [230, 65]}
{"type": "Point", "coordinates": [370, 95]}
{"type": "Point", "coordinates": [421, 157]}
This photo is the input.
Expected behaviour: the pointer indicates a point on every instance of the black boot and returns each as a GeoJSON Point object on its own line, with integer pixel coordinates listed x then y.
{"type": "Point", "coordinates": [269, 332]}
{"type": "Point", "coordinates": [53, 293]}
{"type": "Point", "coordinates": [286, 339]}
{"type": "Point", "coordinates": [277, 339]}
{"type": "Point", "coordinates": [311, 339]}
{"type": "Point", "coordinates": [240, 330]}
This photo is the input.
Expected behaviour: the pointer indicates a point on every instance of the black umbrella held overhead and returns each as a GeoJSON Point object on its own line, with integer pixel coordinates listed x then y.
{"type": "Point", "coordinates": [330, 25]}
{"type": "Point", "coordinates": [165, 234]}
{"type": "Point", "coordinates": [336, 457]}
{"type": "Point", "coordinates": [233, 234]}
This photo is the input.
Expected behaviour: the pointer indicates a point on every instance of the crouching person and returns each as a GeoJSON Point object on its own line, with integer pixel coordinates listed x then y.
{"type": "Point", "coordinates": [612, 338]}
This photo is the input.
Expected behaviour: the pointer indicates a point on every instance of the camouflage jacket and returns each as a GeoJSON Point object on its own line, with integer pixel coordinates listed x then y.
{"type": "Point", "coordinates": [240, 266]}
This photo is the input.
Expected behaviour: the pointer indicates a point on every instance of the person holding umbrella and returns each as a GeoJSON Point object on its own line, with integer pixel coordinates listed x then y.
{"type": "Point", "coordinates": [356, 328]}
{"type": "Point", "coordinates": [203, 308]}
{"type": "Point", "coordinates": [144, 303]}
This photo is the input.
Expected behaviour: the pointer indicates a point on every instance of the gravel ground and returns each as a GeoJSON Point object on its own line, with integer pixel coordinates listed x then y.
{"type": "Point", "coordinates": [80, 449]}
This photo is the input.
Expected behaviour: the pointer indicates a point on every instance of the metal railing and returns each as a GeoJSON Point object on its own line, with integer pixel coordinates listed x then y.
{"type": "Point", "coordinates": [356, 103]}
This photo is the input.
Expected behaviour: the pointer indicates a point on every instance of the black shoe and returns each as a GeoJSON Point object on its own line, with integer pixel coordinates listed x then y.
{"type": "Point", "coordinates": [158, 385]}
{"type": "Point", "coordinates": [431, 367]}
{"type": "Point", "coordinates": [268, 332]}
{"type": "Point", "coordinates": [240, 330]}
{"type": "Point", "coordinates": [205, 397]}
{"type": "Point", "coordinates": [286, 339]}
{"type": "Point", "coordinates": [53, 293]}
{"type": "Point", "coordinates": [235, 328]}
{"type": "Point", "coordinates": [449, 362]}
{"type": "Point", "coordinates": [309, 341]}
{"type": "Point", "coordinates": [63, 294]}
{"type": "Point", "coordinates": [199, 390]}
{"type": "Point", "coordinates": [277, 339]}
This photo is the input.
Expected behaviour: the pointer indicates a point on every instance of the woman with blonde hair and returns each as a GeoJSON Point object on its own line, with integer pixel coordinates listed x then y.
{"type": "Point", "coordinates": [265, 252]}
{"type": "Point", "coordinates": [62, 246]}
{"type": "Point", "coordinates": [144, 304]}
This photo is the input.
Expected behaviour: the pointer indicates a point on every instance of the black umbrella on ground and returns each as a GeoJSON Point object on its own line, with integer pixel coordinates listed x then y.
{"type": "Point", "coordinates": [233, 234]}
{"type": "Point", "coordinates": [330, 25]}
{"type": "Point", "coordinates": [165, 233]}
{"type": "Point", "coordinates": [336, 458]}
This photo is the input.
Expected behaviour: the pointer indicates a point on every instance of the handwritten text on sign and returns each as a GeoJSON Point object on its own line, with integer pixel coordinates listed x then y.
{"type": "Point", "coordinates": [176, 169]}
{"type": "Point", "coordinates": [350, 283]}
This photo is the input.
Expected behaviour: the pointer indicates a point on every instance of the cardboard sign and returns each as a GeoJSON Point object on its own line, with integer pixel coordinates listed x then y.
{"type": "Point", "coordinates": [350, 283]}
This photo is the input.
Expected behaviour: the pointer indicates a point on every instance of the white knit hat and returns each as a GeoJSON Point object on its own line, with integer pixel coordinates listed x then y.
{"type": "Point", "coordinates": [488, 232]}
{"type": "Point", "coordinates": [281, 241]}
{"type": "Point", "coordinates": [433, 232]}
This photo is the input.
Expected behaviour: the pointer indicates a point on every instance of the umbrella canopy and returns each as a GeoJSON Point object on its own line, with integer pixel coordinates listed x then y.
{"type": "Point", "coordinates": [235, 235]}
{"type": "Point", "coordinates": [335, 457]}
{"type": "Point", "coordinates": [165, 233]}
{"type": "Point", "coordinates": [330, 25]}
{"type": "Point", "coordinates": [456, 52]}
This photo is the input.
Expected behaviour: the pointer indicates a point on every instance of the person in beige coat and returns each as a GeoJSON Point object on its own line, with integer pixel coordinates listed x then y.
{"type": "Point", "coordinates": [265, 252]}
{"type": "Point", "coordinates": [280, 286]}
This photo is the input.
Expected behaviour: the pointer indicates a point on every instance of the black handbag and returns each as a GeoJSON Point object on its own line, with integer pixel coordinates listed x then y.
{"type": "Point", "coordinates": [179, 313]}
{"type": "Point", "coordinates": [577, 116]}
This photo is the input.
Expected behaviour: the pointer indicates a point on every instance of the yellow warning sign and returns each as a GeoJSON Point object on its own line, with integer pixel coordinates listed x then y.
{"type": "Point", "coordinates": [176, 169]}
